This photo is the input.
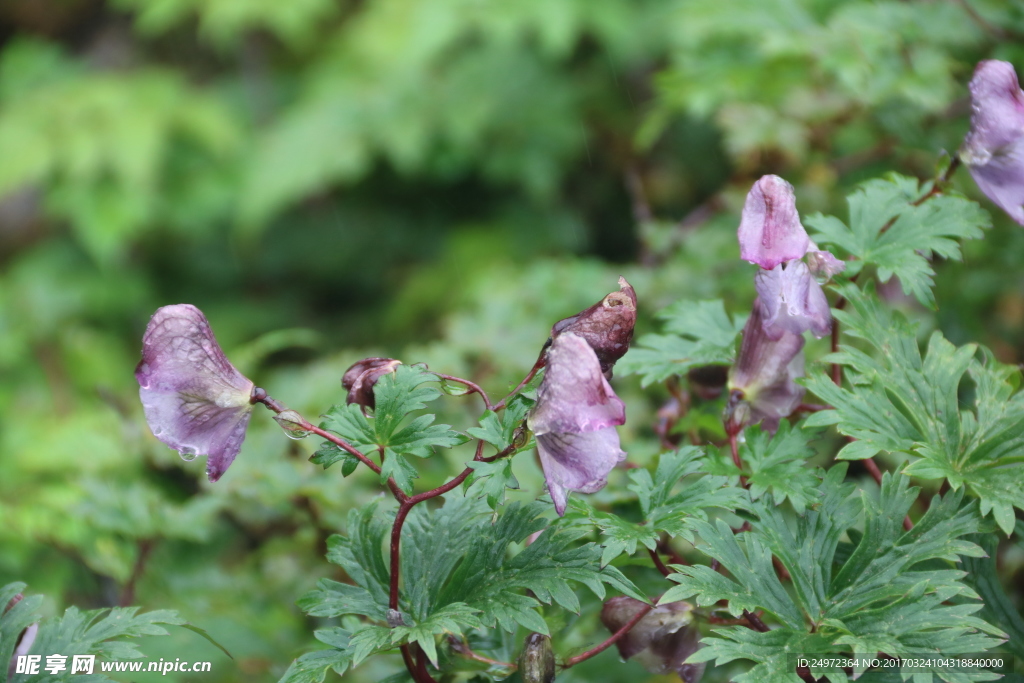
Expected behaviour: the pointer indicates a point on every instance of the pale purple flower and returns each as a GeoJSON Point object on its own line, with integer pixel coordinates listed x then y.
{"type": "Point", "coordinates": [575, 419]}
{"type": "Point", "coordinates": [762, 382]}
{"type": "Point", "coordinates": [607, 325]}
{"type": "Point", "coordinates": [195, 401]}
{"type": "Point", "coordinates": [770, 231]}
{"type": "Point", "coordinates": [792, 301]}
{"type": "Point", "coordinates": [993, 150]}
{"type": "Point", "coordinates": [661, 641]}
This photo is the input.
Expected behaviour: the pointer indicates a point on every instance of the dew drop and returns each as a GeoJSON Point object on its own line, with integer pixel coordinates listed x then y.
{"type": "Point", "coordinates": [157, 431]}
{"type": "Point", "coordinates": [143, 369]}
{"type": "Point", "coordinates": [188, 454]}
{"type": "Point", "coordinates": [296, 434]}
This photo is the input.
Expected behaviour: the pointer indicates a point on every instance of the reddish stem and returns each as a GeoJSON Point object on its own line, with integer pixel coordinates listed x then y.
{"type": "Point", "coordinates": [755, 622]}
{"type": "Point", "coordinates": [473, 388]}
{"type": "Point", "coordinates": [541, 360]}
{"type": "Point", "coordinates": [573, 661]}
{"type": "Point", "coordinates": [665, 571]}
{"type": "Point", "coordinates": [734, 449]}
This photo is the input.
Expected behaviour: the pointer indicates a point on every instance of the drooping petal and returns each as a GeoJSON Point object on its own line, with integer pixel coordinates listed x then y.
{"type": "Point", "coordinates": [993, 150]}
{"type": "Point", "coordinates": [361, 377]}
{"type": "Point", "coordinates": [578, 461]}
{"type": "Point", "coordinates": [574, 420]}
{"type": "Point", "coordinates": [770, 231]}
{"type": "Point", "coordinates": [195, 401]}
{"type": "Point", "coordinates": [764, 375]}
{"type": "Point", "coordinates": [607, 325]}
{"type": "Point", "coordinates": [661, 641]}
{"type": "Point", "coordinates": [792, 301]}
{"type": "Point", "coordinates": [574, 395]}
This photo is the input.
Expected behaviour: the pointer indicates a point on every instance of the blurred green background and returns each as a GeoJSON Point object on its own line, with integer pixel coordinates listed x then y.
{"type": "Point", "coordinates": [435, 180]}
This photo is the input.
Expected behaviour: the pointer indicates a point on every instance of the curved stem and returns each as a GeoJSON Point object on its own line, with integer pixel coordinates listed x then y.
{"type": "Point", "coordinates": [573, 661]}
{"type": "Point", "coordinates": [665, 571]}
{"type": "Point", "coordinates": [473, 388]}
{"type": "Point", "coordinates": [541, 361]}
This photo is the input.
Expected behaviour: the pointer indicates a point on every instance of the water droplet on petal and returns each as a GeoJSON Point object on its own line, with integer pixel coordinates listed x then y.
{"type": "Point", "coordinates": [187, 453]}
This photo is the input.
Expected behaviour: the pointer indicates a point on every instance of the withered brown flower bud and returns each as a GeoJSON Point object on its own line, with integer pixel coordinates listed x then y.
{"type": "Point", "coordinates": [537, 663]}
{"type": "Point", "coordinates": [607, 326]}
{"type": "Point", "coordinates": [363, 375]}
{"type": "Point", "coordinates": [661, 641]}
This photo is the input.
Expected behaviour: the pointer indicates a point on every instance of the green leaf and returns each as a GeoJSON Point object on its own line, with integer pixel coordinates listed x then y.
{"type": "Point", "coordinates": [891, 594]}
{"type": "Point", "coordinates": [699, 333]}
{"type": "Point", "coordinates": [983, 577]}
{"type": "Point", "coordinates": [888, 231]}
{"type": "Point", "coordinates": [494, 478]}
{"type": "Point", "coordinates": [901, 401]}
{"type": "Point", "coordinates": [453, 618]}
{"type": "Point", "coordinates": [499, 431]}
{"type": "Point", "coordinates": [774, 463]}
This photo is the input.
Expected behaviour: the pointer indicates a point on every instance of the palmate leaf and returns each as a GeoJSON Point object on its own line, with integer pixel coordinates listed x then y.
{"type": "Point", "coordinates": [456, 576]}
{"type": "Point", "coordinates": [698, 333]}
{"type": "Point", "coordinates": [666, 506]}
{"type": "Point", "coordinates": [104, 633]}
{"type": "Point", "coordinates": [774, 463]}
{"type": "Point", "coordinates": [901, 401]}
{"type": "Point", "coordinates": [396, 396]}
{"type": "Point", "coordinates": [890, 595]}
{"type": "Point", "coordinates": [898, 238]}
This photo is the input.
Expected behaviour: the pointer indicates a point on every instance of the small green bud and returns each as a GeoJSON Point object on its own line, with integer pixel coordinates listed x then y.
{"type": "Point", "coordinates": [537, 663]}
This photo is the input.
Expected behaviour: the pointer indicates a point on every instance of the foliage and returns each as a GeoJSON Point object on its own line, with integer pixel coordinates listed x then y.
{"type": "Point", "coordinates": [888, 596]}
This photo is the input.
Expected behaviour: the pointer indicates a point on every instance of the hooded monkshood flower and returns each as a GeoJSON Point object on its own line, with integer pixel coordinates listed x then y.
{"type": "Point", "coordinates": [607, 325]}
{"type": "Point", "coordinates": [994, 148]}
{"type": "Point", "coordinates": [195, 400]}
{"type": "Point", "coordinates": [575, 419]}
{"type": "Point", "coordinates": [762, 382]}
{"type": "Point", "coordinates": [771, 235]}
{"type": "Point", "coordinates": [661, 641]}
{"type": "Point", "coordinates": [770, 231]}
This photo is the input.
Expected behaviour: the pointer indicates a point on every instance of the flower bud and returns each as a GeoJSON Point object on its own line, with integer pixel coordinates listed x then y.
{"type": "Point", "coordinates": [607, 326]}
{"type": "Point", "coordinates": [574, 421]}
{"type": "Point", "coordinates": [361, 377]}
{"type": "Point", "coordinates": [661, 641]}
{"type": "Point", "coordinates": [770, 231]}
{"type": "Point", "coordinates": [194, 399]}
{"type": "Point", "coordinates": [993, 150]}
{"type": "Point", "coordinates": [537, 663]}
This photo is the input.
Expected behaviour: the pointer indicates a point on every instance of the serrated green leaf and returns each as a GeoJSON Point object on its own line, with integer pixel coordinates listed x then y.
{"type": "Point", "coordinates": [499, 431]}
{"type": "Point", "coordinates": [701, 333]}
{"type": "Point", "coordinates": [493, 478]}
{"type": "Point", "coordinates": [887, 230]}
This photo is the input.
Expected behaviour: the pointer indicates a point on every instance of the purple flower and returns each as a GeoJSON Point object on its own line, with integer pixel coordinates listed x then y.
{"type": "Point", "coordinates": [994, 148]}
{"type": "Point", "coordinates": [823, 264]}
{"type": "Point", "coordinates": [361, 377]}
{"type": "Point", "coordinates": [792, 301]}
{"type": "Point", "coordinates": [770, 232]}
{"type": "Point", "coordinates": [762, 382]}
{"type": "Point", "coordinates": [607, 325]}
{"type": "Point", "coordinates": [195, 401]}
{"type": "Point", "coordinates": [661, 641]}
{"type": "Point", "coordinates": [574, 420]}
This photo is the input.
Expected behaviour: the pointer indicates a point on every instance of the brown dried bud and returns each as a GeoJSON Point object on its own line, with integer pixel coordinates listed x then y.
{"type": "Point", "coordinates": [360, 378]}
{"type": "Point", "coordinates": [661, 641]}
{"type": "Point", "coordinates": [607, 326]}
{"type": "Point", "coordinates": [537, 663]}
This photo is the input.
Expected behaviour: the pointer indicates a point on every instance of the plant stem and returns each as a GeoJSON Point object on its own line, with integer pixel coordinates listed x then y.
{"type": "Point", "coordinates": [473, 388]}
{"type": "Point", "coordinates": [573, 661]}
{"type": "Point", "coordinates": [463, 649]}
{"type": "Point", "coordinates": [755, 622]}
{"type": "Point", "coordinates": [665, 571]}
{"type": "Point", "coordinates": [541, 361]}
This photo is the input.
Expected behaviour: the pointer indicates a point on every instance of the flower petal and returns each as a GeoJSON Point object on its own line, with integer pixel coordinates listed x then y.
{"type": "Point", "coordinates": [574, 396]}
{"type": "Point", "coordinates": [770, 231]}
{"type": "Point", "coordinates": [766, 370]}
{"type": "Point", "coordinates": [994, 148]}
{"type": "Point", "coordinates": [195, 401]}
{"type": "Point", "coordinates": [792, 301]}
{"type": "Point", "coordinates": [607, 325]}
{"type": "Point", "coordinates": [578, 462]}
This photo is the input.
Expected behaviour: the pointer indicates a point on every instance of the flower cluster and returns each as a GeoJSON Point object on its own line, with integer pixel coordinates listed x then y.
{"type": "Point", "coordinates": [790, 301]}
